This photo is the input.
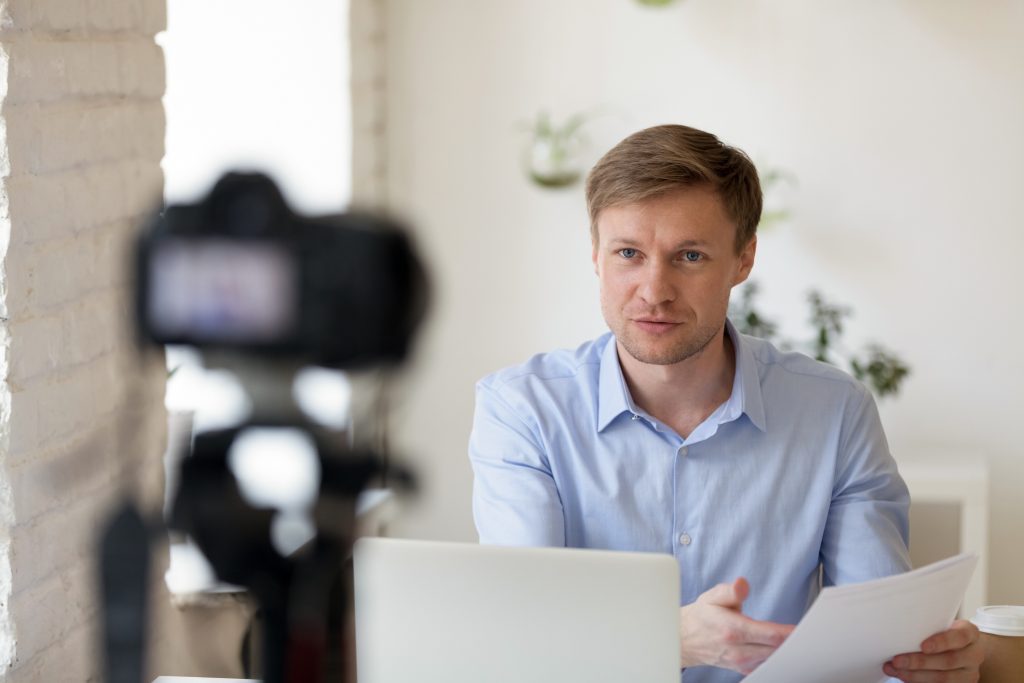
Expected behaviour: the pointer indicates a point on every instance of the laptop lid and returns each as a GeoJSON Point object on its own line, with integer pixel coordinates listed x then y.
{"type": "Point", "coordinates": [463, 613]}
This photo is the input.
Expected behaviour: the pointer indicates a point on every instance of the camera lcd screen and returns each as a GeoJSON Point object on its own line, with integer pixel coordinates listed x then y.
{"type": "Point", "coordinates": [219, 290]}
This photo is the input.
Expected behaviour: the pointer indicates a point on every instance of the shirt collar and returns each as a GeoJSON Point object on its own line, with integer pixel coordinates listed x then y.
{"type": "Point", "coordinates": [746, 397]}
{"type": "Point", "coordinates": [614, 399]}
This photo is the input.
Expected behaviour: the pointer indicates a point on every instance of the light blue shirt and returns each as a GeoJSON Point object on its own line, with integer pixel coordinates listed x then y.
{"type": "Point", "coordinates": [791, 473]}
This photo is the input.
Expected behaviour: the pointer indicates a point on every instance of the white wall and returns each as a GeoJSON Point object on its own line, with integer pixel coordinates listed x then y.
{"type": "Point", "coordinates": [902, 120]}
{"type": "Point", "coordinates": [256, 84]}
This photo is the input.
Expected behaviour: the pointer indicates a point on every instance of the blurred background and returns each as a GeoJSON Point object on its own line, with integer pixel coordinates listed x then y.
{"type": "Point", "coordinates": [896, 129]}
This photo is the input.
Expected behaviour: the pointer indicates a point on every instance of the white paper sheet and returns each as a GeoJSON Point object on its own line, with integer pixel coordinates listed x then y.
{"type": "Point", "coordinates": [850, 631]}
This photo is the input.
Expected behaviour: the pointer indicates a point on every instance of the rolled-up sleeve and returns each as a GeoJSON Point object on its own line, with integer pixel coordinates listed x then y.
{"type": "Point", "coordinates": [515, 500]}
{"type": "Point", "coordinates": [867, 530]}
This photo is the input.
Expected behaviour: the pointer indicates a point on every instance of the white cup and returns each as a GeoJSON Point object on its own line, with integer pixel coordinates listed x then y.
{"type": "Point", "coordinates": [1002, 637]}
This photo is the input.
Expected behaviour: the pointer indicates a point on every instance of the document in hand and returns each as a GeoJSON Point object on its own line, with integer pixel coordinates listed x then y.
{"type": "Point", "coordinates": [850, 631]}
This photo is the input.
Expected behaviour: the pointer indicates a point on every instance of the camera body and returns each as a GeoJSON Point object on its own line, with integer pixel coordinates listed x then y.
{"type": "Point", "coordinates": [241, 272]}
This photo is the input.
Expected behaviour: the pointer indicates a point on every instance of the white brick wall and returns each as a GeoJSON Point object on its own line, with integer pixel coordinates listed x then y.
{"type": "Point", "coordinates": [368, 54]}
{"type": "Point", "coordinates": [81, 415]}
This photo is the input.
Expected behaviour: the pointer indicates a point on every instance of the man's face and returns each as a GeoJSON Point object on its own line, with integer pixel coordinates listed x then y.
{"type": "Point", "coordinates": [666, 266]}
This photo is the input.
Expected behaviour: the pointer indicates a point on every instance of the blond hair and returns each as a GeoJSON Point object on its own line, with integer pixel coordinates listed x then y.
{"type": "Point", "coordinates": [657, 160]}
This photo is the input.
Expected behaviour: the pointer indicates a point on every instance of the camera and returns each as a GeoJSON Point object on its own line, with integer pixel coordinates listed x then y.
{"type": "Point", "coordinates": [241, 272]}
{"type": "Point", "coordinates": [264, 292]}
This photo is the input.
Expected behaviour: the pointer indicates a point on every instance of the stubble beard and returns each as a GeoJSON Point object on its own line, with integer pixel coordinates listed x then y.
{"type": "Point", "coordinates": [667, 354]}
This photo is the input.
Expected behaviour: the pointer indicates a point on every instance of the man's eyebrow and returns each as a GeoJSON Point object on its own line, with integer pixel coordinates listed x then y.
{"type": "Point", "coordinates": [685, 244]}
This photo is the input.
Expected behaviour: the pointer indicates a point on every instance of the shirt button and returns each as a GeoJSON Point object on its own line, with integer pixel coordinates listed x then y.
{"type": "Point", "coordinates": [684, 539]}
{"type": "Point", "coordinates": [683, 450]}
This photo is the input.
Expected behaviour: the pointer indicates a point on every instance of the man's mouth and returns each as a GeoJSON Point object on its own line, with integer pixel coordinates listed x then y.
{"type": "Point", "coordinates": [655, 325]}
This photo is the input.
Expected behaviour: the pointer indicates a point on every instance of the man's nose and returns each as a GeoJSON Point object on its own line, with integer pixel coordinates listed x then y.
{"type": "Point", "coordinates": [656, 287]}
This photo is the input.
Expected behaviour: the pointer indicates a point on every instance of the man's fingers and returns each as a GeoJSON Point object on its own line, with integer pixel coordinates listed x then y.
{"type": "Point", "coordinates": [957, 676]}
{"type": "Point", "coordinates": [968, 658]}
{"type": "Point", "coordinates": [958, 636]}
{"type": "Point", "coordinates": [766, 632]}
{"type": "Point", "coordinates": [740, 589]}
{"type": "Point", "coordinates": [944, 661]}
{"type": "Point", "coordinates": [729, 595]}
{"type": "Point", "coordinates": [949, 657]}
{"type": "Point", "coordinates": [714, 631]}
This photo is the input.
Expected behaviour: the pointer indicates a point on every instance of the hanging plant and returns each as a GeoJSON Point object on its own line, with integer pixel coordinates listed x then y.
{"type": "Point", "coordinates": [772, 180]}
{"type": "Point", "coordinates": [554, 155]}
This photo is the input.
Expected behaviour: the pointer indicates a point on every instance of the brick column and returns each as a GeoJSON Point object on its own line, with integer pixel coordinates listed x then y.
{"type": "Point", "coordinates": [81, 416]}
{"type": "Point", "coordinates": [368, 54]}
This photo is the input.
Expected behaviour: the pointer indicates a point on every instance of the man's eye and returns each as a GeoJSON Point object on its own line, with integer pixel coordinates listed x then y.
{"type": "Point", "coordinates": [627, 253]}
{"type": "Point", "coordinates": [692, 256]}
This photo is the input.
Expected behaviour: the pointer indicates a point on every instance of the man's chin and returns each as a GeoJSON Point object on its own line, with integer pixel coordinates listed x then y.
{"type": "Point", "coordinates": [653, 354]}
{"type": "Point", "coordinates": [662, 351]}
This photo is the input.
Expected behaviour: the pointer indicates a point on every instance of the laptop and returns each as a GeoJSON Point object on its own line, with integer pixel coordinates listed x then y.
{"type": "Point", "coordinates": [429, 612]}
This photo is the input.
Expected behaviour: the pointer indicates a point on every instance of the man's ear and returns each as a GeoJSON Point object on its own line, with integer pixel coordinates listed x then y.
{"type": "Point", "coordinates": [746, 261]}
{"type": "Point", "coordinates": [593, 257]}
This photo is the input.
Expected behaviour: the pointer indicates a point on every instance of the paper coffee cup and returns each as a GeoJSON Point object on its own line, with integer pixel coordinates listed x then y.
{"type": "Point", "coordinates": [1000, 620]}
{"type": "Point", "coordinates": [1002, 637]}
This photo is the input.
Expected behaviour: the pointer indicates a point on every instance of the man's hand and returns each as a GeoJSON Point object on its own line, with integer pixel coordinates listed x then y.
{"type": "Point", "coordinates": [953, 656]}
{"type": "Point", "coordinates": [714, 632]}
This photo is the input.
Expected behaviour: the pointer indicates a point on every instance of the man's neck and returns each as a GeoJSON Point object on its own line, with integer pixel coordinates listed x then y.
{"type": "Point", "coordinates": [684, 394]}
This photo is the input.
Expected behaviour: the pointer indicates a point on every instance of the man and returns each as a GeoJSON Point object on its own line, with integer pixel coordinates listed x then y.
{"type": "Point", "coordinates": [762, 472]}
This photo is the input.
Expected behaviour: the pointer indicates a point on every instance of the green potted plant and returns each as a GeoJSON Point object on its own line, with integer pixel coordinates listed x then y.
{"type": "Point", "coordinates": [554, 154]}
